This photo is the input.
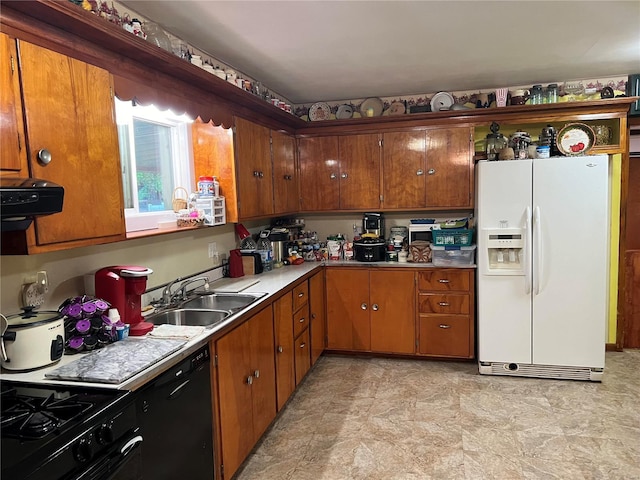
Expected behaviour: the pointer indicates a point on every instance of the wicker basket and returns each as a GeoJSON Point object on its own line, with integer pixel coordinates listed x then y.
{"type": "Point", "coordinates": [179, 203]}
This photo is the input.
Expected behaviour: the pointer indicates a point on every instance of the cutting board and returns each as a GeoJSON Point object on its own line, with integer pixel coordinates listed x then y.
{"type": "Point", "coordinates": [233, 285]}
{"type": "Point", "coordinates": [117, 362]}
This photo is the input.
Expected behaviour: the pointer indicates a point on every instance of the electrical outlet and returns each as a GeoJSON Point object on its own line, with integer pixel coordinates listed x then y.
{"type": "Point", "coordinates": [213, 250]}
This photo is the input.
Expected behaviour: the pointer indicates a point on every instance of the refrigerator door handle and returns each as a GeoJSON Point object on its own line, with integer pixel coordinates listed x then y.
{"type": "Point", "coordinates": [537, 274]}
{"type": "Point", "coordinates": [527, 251]}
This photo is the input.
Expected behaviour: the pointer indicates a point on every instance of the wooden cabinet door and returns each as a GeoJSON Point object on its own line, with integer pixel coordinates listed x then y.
{"type": "Point", "coordinates": [317, 328]}
{"type": "Point", "coordinates": [263, 389]}
{"type": "Point", "coordinates": [12, 149]}
{"type": "Point", "coordinates": [348, 325]}
{"type": "Point", "coordinates": [393, 319]}
{"type": "Point", "coordinates": [303, 357]}
{"type": "Point", "coordinates": [235, 392]}
{"type": "Point", "coordinates": [359, 172]}
{"type": "Point", "coordinates": [319, 174]}
{"type": "Point", "coordinates": [283, 326]}
{"type": "Point", "coordinates": [285, 178]}
{"type": "Point", "coordinates": [69, 111]}
{"type": "Point", "coordinates": [403, 169]}
{"type": "Point", "coordinates": [253, 166]}
{"type": "Point", "coordinates": [449, 167]}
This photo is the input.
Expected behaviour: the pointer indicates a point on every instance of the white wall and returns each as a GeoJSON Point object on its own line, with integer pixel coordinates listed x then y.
{"type": "Point", "coordinates": [169, 256]}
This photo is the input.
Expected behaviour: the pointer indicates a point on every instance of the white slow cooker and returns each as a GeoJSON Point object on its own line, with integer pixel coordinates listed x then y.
{"type": "Point", "coordinates": [32, 340]}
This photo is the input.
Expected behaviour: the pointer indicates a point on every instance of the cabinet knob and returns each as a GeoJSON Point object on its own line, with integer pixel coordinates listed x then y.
{"type": "Point", "coordinates": [420, 172]}
{"type": "Point", "coordinates": [256, 173]}
{"type": "Point", "coordinates": [279, 348]}
{"type": "Point", "coordinates": [302, 345]}
{"type": "Point", "coordinates": [301, 320]}
{"type": "Point", "coordinates": [442, 325]}
{"type": "Point", "coordinates": [375, 307]}
{"type": "Point", "coordinates": [313, 316]}
{"type": "Point", "coordinates": [256, 374]}
{"type": "Point", "coordinates": [261, 174]}
{"type": "Point", "coordinates": [431, 171]}
{"type": "Point", "coordinates": [333, 176]}
{"type": "Point", "coordinates": [344, 175]}
{"type": "Point", "coordinates": [44, 157]}
{"type": "Point", "coordinates": [288, 177]}
{"type": "Point", "coordinates": [443, 280]}
{"type": "Point", "coordinates": [363, 306]}
{"type": "Point", "coordinates": [443, 304]}
{"type": "Point", "coordinates": [249, 380]}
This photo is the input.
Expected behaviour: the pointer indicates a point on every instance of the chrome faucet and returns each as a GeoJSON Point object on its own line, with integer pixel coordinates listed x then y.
{"type": "Point", "coordinates": [186, 283]}
{"type": "Point", "coordinates": [167, 296]}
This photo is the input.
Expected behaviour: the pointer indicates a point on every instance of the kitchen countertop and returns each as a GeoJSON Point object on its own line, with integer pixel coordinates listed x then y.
{"type": "Point", "coordinates": [269, 284]}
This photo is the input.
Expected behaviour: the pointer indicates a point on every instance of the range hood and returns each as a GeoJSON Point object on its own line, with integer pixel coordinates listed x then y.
{"type": "Point", "coordinates": [26, 198]}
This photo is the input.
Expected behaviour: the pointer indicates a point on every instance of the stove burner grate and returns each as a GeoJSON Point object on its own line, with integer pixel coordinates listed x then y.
{"type": "Point", "coordinates": [27, 417]}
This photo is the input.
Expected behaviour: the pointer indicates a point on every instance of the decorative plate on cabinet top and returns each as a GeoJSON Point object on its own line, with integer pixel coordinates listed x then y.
{"type": "Point", "coordinates": [374, 104]}
{"type": "Point", "coordinates": [344, 111]}
{"type": "Point", "coordinates": [319, 111]}
{"type": "Point", "coordinates": [575, 139]}
{"type": "Point", "coordinates": [397, 108]}
{"type": "Point", "coordinates": [442, 101]}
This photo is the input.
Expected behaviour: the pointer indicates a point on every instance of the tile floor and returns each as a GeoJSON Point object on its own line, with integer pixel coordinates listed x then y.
{"type": "Point", "coordinates": [355, 418]}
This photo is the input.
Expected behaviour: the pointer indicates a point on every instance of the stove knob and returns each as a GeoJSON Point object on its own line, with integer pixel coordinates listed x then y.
{"type": "Point", "coordinates": [83, 450]}
{"type": "Point", "coordinates": [104, 434]}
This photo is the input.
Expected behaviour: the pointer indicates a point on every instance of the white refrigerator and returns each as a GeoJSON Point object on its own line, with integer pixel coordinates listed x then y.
{"type": "Point", "coordinates": [543, 266]}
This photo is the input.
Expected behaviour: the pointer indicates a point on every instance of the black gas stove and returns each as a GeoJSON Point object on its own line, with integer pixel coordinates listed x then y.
{"type": "Point", "coordinates": [59, 432]}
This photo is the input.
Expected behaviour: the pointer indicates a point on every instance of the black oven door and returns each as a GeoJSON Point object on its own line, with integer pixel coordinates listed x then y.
{"type": "Point", "coordinates": [122, 461]}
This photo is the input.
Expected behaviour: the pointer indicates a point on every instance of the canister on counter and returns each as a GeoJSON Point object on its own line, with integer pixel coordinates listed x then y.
{"type": "Point", "coordinates": [205, 186]}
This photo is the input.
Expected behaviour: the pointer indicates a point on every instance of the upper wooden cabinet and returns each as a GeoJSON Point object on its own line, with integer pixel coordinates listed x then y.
{"type": "Point", "coordinates": [340, 173]}
{"type": "Point", "coordinates": [285, 176]}
{"type": "Point", "coordinates": [403, 169]}
{"type": "Point", "coordinates": [253, 169]}
{"type": "Point", "coordinates": [428, 169]}
{"type": "Point", "coordinates": [319, 174]}
{"type": "Point", "coordinates": [69, 111]}
{"type": "Point", "coordinates": [359, 161]}
{"type": "Point", "coordinates": [12, 148]}
{"type": "Point", "coordinates": [449, 179]}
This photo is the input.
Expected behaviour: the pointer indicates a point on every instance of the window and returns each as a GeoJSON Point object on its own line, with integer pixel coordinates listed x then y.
{"type": "Point", "coordinates": [156, 157]}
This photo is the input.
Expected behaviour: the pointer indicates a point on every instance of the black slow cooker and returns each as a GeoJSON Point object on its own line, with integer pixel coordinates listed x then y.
{"type": "Point", "coordinates": [369, 249]}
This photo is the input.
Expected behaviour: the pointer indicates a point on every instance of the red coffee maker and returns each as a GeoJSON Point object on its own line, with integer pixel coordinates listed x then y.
{"type": "Point", "coordinates": [123, 286]}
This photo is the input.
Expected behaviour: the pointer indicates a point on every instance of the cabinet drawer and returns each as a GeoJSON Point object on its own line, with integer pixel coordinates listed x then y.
{"type": "Point", "coordinates": [300, 295]}
{"type": "Point", "coordinates": [302, 356]}
{"type": "Point", "coordinates": [446, 336]}
{"type": "Point", "coordinates": [300, 320]}
{"type": "Point", "coordinates": [443, 303]}
{"type": "Point", "coordinates": [444, 280]}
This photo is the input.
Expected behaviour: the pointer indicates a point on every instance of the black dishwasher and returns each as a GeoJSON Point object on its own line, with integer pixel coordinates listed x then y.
{"type": "Point", "coordinates": [174, 414]}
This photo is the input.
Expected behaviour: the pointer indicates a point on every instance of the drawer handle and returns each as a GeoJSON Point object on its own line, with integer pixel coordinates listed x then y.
{"type": "Point", "coordinates": [301, 320]}
{"type": "Point", "coordinates": [443, 280]}
{"type": "Point", "coordinates": [280, 349]}
{"type": "Point", "coordinates": [442, 325]}
{"type": "Point", "coordinates": [443, 304]}
{"type": "Point", "coordinates": [302, 345]}
{"type": "Point", "coordinates": [301, 294]}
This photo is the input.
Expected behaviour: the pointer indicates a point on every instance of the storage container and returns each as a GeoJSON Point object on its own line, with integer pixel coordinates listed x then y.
{"type": "Point", "coordinates": [458, 237]}
{"type": "Point", "coordinates": [453, 256]}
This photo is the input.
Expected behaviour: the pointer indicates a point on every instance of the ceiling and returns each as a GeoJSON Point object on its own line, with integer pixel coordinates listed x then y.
{"type": "Point", "coordinates": [310, 51]}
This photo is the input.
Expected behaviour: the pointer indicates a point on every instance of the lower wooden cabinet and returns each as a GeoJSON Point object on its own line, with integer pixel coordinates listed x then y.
{"type": "Point", "coordinates": [446, 312]}
{"type": "Point", "coordinates": [285, 367]}
{"type": "Point", "coordinates": [317, 316]}
{"type": "Point", "coordinates": [371, 310]}
{"type": "Point", "coordinates": [246, 386]}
